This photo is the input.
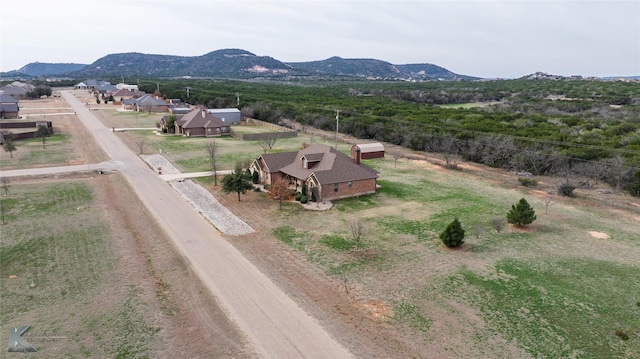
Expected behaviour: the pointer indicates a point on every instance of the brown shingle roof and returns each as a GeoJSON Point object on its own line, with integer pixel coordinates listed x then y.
{"type": "Point", "coordinates": [199, 119]}
{"type": "Point", "coordinates": [334, 166]}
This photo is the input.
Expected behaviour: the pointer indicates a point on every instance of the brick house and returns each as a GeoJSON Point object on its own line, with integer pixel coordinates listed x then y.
{"type": "Point", "coordinates": [326, 172]}
{"type": "Point", "coordinates": [200, 123]}
{"type": "Point", "coordinates": [8, 107]}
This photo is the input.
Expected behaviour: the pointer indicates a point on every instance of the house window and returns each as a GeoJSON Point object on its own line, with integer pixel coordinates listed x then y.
{"type": "Point", "coordinates": [208, 130]}
{"type": "Point", "coordinates": [350, 184]}
{"type": "Point", "coordinates": [224, 129]}
{"type": "Point", "coordinates": [305, 163]}
{"type": "Point", "coordinates": [335, 187]}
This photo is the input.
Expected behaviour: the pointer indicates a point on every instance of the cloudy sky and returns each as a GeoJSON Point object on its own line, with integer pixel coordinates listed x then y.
{"type": "Point", "coordinates": [498, 38]}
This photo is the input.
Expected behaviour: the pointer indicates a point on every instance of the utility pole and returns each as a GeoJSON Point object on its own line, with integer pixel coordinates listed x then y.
{"type": "Point", "coordinates": [238, 97]}
{"type": "Point", "coordinates": [337, 124]}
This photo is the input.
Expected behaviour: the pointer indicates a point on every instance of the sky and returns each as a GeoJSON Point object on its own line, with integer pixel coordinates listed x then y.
{"type": "Point", "coordinates": [489, 38]}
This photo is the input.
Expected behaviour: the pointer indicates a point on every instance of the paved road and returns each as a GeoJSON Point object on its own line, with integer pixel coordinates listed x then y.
{"type": "Point", "coordinates": [274, 323]}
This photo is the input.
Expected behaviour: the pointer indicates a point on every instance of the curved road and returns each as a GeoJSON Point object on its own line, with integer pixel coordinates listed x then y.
{"type": "Point", "coordinates": [275, 324]}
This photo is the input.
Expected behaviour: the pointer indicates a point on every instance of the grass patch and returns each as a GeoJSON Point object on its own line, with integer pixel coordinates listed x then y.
{"type": "Point", "coordinates": [337, 242]}
{"type": "Point", "coordinates": [405, 312]}
{"type": "Point", "coordinates": [557, 309]}
{"type": "Point", "coordinates": [356, 203]}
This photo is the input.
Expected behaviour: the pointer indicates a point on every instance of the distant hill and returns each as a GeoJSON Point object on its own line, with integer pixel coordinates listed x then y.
{"type": "Point", "coordinates": [237, 63]}
{"type": "Point", "coordinates": [221, 63]}
{"type": "Point", "coordinates": [36, 69]}
{"type": "Point", "coordinates": [377, 69]}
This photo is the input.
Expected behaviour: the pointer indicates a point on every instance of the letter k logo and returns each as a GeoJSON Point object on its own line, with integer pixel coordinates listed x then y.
{"type": "Point", "coordinates": [17, 342]}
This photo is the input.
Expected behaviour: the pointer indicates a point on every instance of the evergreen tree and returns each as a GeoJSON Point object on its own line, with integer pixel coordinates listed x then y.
{"type": "Point", "coordinates": [521, 213]}
{"type": "Point", "coordinates": [238, 182]}
{"type": "Point", "coordinates": [453, 235]}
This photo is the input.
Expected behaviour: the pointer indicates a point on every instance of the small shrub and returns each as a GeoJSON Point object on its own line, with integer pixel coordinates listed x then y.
{"type": "Point", "coordinates": [304, 199]}
{"type": "Point", "coordinates": [298, 196]}
{"type": "Point", "coordinates": [527, 182]}
{"type": "Point", "coordinates": [566, 189]}
{"type": "Point", "coordinates": [257, 189]}
{"type": "Point", "coordinates": [267, 186]}
{"type": "Point", "coordinates": [624, 334]}
{"type": "Point", "coordinates": [453, 235]}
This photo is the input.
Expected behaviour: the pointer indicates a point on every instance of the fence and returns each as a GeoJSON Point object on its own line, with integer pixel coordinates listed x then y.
{"type": "Point", "coordinates": [279, 131]}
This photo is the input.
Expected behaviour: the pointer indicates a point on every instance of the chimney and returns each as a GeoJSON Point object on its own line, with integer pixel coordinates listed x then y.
{"type": "Point", "coordinates": [357, 156]}
{"type": "Point", "coordinates": [204, 113]}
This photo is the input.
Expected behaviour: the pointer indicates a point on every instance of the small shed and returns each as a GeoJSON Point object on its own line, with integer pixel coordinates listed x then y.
{"type": "Point", "coordinates": [227, 115]}
{"type": "Point", "coordinates": [365, 151]}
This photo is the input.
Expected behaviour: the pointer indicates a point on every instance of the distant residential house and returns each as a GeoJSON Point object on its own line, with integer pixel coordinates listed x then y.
{"type": "Point", "coordinates": [367, 150]}
{"type": "Point", "coordinates": [89, 84]}
{"type": "Point", "coordinates": [124, 93]}
{"type": "Point", "coordinates": [150, 103]}
{"type": "Point", "coordinates": [17, 89]}
{"type": "Point", "coordinates": [200, 123]}
{"type": "Point", "coordinates": [123, 86]}
{"type": "Point", "coordinates": [8, 107]}
{"type": "Point", "coordinates": [327, 173]}
{"type": "Point", "coordinates": [227, 115]}
{"type": "Point", "coordinates": [106, 88]}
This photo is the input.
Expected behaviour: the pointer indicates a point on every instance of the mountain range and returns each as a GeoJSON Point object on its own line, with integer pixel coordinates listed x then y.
{"type": "Point", "coordinates": [236, 63]}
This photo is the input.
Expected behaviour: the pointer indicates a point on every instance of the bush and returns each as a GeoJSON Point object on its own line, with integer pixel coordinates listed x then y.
{"type": "Point", "coordinates": [453, 235]}
{"type": "Point", "coordinates": [303, 199]}
{"type": "Point", "coordinates": [527, 182]}
{"type": "Point", "coordinates": [255, 177]}
{"type": "Point", "coordinates": [566, 190]}
{"type": "Point", "coordinates": [521, 213]}
{"type": "Point", "coordinates": [298, 196]}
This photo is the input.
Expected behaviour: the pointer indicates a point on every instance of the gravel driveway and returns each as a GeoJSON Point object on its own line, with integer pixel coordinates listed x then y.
{"type": "Point", "coordinates": [201, 199]}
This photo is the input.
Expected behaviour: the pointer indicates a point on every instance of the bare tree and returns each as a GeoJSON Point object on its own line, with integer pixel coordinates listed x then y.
{"type": "Point", "coordinates": [2, 211]}
{"type": "Point", "coordinates": [267, 144]}
{"type": "Point", "coordinates": [279, 190]}
{"type": "Point", "coordinates": [498, 223]}
{"type": "Point", "coordinates": [548, 202]}
{"type": "Point", "coordinates": [357, 231]}
{"type": "Point", "coordinates": [477, 231]}
{"type": "Point", "coordinates": [212, 150]}
{"type": "Point", "coordinates": [141, 144]}
{"type": "Point", "coordinates": [396, 156]}
{"type": "Point", "coordinates": [4, 182]}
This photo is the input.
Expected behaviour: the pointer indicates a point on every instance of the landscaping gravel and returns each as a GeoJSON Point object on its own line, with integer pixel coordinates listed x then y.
{"type": "Point", "coordinates": [202, 200]}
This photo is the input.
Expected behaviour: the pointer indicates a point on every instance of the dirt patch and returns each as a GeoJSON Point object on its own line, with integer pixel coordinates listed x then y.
{"type": "Point", "coordinates": [599, 235]}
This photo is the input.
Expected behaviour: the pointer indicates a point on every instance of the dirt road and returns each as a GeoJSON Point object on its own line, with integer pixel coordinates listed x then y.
{"type": "Point", "coordinates": [275, 324]}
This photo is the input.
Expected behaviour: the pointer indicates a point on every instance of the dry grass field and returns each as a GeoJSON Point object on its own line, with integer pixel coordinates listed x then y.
{"type": "Point", "coordinates": [568, 285]}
